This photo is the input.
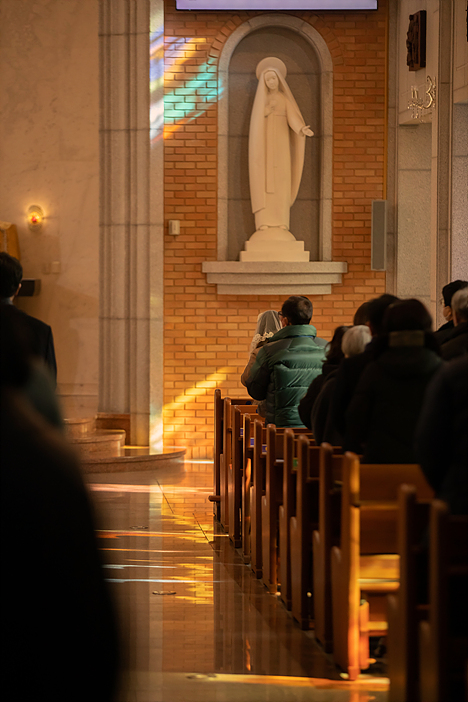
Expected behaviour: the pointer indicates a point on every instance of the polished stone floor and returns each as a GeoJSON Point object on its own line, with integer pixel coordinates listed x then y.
{"type": "Point", "coordinates": [197, 625]}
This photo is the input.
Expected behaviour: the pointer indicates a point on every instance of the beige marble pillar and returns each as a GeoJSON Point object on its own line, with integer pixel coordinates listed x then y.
{"type": "Point", "coordinates": [441, 161]}
{"type": "Point", "coordinates": [130, 233]}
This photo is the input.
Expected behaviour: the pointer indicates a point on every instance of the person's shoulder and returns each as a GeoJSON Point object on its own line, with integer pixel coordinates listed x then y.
{"type": "Point", "coordinates": [371, 372]}
{"type": "Point", "coordinates": [355, 364]}
{"type": "Point", "coordinates": [321, 342]}
{"type": "Point", "coordinates": [456, 370]}
{"type": "Point", "coordinates": [445, 327]}
{"type": "Point", "coordinates": [260, 354]}
{"type": "Point", "coordinates": [33, 322]}
{"type": "Point", "coordinates": [457, 344]}
{"type": "Point", "coordinates": [460, 330]}
{"type": "Point", "coordinates": [444, 333]}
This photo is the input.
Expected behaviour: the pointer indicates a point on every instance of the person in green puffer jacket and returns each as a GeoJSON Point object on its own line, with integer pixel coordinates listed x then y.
{"type": "Point", "coordinates": [287, 364]}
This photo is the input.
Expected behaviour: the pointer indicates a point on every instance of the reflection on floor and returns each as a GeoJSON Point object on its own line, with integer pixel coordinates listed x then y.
{"type": "Point", "coordinates": [195, 622]}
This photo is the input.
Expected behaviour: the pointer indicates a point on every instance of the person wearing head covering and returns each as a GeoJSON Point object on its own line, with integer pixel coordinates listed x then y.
{"type": "Point", "coordinates": [276, 147]}
{"type": "Point", "coordinates": [287, 364]}
{"type": "Point", "coordinates": [268, 323]}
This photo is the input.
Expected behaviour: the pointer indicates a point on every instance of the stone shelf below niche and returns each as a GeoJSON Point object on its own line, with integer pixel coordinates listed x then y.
{"type": "Point", "coordinates": [274, 277]}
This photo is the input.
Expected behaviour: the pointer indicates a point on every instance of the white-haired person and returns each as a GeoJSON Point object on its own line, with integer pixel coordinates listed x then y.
{"type": "Point", "coordinates": [354, 341]}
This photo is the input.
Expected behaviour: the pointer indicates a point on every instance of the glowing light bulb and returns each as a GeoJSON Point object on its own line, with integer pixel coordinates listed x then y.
{"type": "Point", "coordinates": [35, 217]}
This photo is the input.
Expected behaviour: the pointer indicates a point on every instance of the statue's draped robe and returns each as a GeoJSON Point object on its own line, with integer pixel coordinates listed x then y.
{"type": "Point", "coordinates": [276, 154]}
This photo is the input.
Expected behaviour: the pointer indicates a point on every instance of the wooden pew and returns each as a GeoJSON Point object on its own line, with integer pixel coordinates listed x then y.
{"type": "Point", "coordinates": [286, 511]}
{"type": "Point", "coordinates": [266, 523]}
{"type": "Point", "coordinates": [365, 567]}
{"type": "Point", "coordinates": [247, 460]}
{"type": "Point", "coordinates": [226, 455]}
{"type": "Point", "coordinates": [236, 469]}
{"type": "Point", "coordinates": [302, 525]}
{"type": "Point", "coordinates": [271, 501]}
{"type": "Point", "coordinates": [219, 447]}
{"type": "Point", "coordinates": [443, 638]}
{"type": "Point", "coordinates": [409, 606]}
{"type": "Point", "coordinates": [324, 538]}
{"type": "Point", "coordinates": [257, 487]}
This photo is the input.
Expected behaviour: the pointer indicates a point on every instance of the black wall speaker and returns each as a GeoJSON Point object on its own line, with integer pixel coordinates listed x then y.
{"type": "Point", "coordinates": [379, 235]}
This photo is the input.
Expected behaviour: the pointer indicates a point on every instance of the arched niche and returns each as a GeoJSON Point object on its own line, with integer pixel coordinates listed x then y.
{"type": "Point", "coordinates": [310, 77]}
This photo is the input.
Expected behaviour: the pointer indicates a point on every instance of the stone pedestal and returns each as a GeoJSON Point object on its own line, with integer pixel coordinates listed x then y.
{"type": "Point", "coordinates": [274, 244]}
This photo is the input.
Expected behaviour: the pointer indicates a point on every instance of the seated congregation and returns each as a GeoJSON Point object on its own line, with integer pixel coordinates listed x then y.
{"type": "Point", "coordinates": [342, 479]}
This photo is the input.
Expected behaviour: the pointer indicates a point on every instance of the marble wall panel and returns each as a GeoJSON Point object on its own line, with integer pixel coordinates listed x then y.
{"type": "Point", "coordinates": [414, 212]}
{"type": "Point", "coordinates": [409, 78]}
{"type": "Point", "coordinates": [140, 271]}
{"type": "Point", "coordinates": [460, 55]}
{"type": "Point", "coordinates": [139, 147]}
{"type": "Point", "coordinates": [460, 192]}
{"type": "Point", "coordinates": [49, 138]}
{"type": "Point", "coordinates": [125, 209]}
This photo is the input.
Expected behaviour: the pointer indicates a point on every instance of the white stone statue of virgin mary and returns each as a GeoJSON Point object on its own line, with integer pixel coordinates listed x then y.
{"type": "Point", "coordinates": [276, 159]}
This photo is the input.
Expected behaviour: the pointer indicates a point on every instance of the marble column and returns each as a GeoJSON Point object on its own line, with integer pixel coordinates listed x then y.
{"type": "Point", "coordinates": [442, 157]}
{"type": "Point", "coordinates": [131, 242]}
{"type": "Point", "coordinates": [391, 180]}
{"type": "Point", "coordinates": [460, 192]}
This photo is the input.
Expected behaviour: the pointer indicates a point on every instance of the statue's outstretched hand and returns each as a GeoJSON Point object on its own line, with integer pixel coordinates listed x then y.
{"type": "Point", "coordinates": [307, 131]}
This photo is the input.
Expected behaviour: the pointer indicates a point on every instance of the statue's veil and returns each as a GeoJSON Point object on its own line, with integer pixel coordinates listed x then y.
{"type": "Point", "coordinates": [257, 135]}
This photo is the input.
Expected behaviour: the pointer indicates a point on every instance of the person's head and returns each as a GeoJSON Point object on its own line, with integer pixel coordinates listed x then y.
{"type": "Point", "coordinates": [11, 274]}
{"type": "Point", "coordinates": [448, 291]}
{"type": "Point", "coordinates": [271, 80]}
{"type": "Point", "coordinates": [361, 316]}
{"type": "Point", "coordinates": [407, 315]}
{"type": "Point", "coordinates": [460, 306]}
{"type": "Point", "coordinates": [376, 312]}
{"type": "Point", "coordinates": [334, 353]}
{"type": "Point", "coordinates": [297, 309]}
{"type": "Point", "coordinates": [268, 323]}
{"type": "Point", "coordinates": [355, 340]}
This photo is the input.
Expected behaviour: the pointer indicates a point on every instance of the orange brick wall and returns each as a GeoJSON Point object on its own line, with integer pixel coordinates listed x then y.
{"type": "Point", "coordinates": [207, 336]}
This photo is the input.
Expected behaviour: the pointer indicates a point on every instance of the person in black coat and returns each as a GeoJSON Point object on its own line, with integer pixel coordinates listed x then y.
{"type": "Point", "coordinates": [40, 335]}
{"type": "Point", "coordinates": [382, 416]}
{"type": "Point", "coordinates": [350, 369]}
{"type": "Point", "coordinates": [457, 343]}
{"type": "Point", "coordinates": [333, 358]}
{"type": "Point", "coordinates": [441, 436]}
{"type": "Point", "coordinates": [448, 291]}
{"type": "Point", "coordinates": [59, 627]}
{"type": "Point", "coordinates": [353, 343]}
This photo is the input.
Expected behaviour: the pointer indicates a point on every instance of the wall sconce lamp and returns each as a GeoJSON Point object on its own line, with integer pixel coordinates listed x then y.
{"type": "Point", "coordinates": [35, 217]}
